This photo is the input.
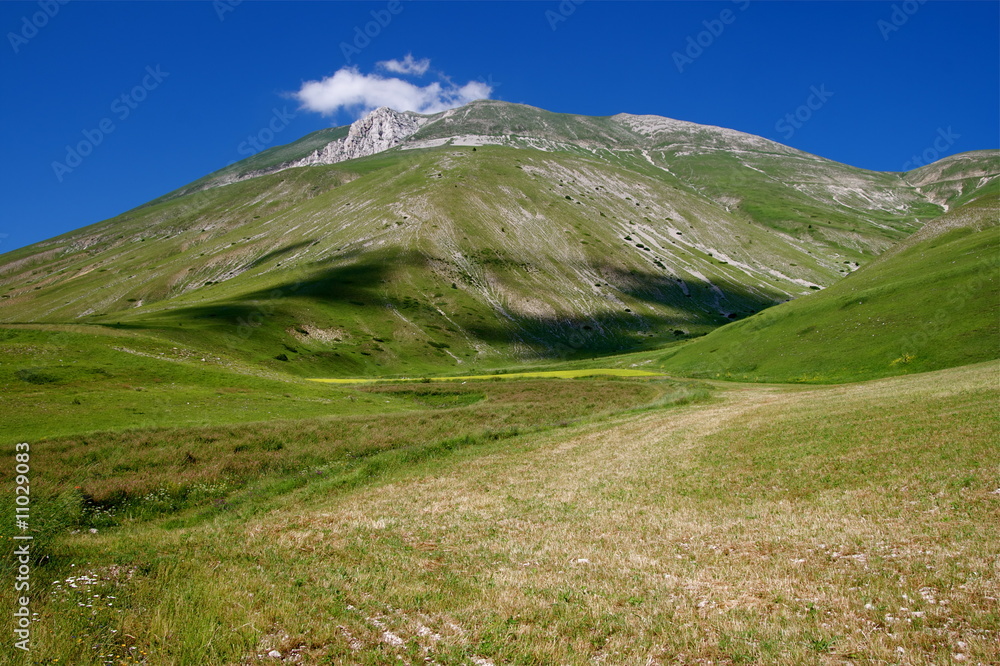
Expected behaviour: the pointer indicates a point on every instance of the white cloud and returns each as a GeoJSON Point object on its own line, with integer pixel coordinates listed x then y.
{"type": "Point", "coordinates": [350, 90]}
{"type": "Point", "coordinates": [407, 65]}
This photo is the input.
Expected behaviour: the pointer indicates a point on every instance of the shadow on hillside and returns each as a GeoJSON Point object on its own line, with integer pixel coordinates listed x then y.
{"type": "Point", "coordinates": [356, 283]}
{"type": "Point", "coordinates": [690, 294]}
{"type": "Point", "coordinates": [280, 252]}
{"type": "Point", "coordinates": [627, 327]}
{"type": "Point", "coordinates": [371, 282]}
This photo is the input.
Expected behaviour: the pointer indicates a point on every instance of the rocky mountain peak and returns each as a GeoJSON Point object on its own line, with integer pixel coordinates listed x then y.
{"type": "Point", "coordinates": [380, 130]}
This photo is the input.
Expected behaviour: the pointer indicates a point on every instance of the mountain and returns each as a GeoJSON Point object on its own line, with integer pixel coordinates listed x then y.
{"type": "Point", "coordinates": [480, 236]}
{"type": "Point", "coordinates": [929, 303]}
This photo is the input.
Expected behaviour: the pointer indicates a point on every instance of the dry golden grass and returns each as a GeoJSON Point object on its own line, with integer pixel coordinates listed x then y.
{"type": "Point", "coordinates": [743, 531]}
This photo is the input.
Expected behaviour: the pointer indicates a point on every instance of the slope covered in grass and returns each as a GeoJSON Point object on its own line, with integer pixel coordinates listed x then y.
{"type": "Point", "coordinates": [426, 260]}
{"type": "Point", "coordinates": [497, 234]}
{"type": "Point", "coordinates": [933, 302]}
{"type": "Point", "coordinates": [260, 162]}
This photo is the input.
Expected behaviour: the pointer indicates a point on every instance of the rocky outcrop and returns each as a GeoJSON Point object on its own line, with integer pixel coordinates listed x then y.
{"type": "Point", "coordinates": [380, 130]}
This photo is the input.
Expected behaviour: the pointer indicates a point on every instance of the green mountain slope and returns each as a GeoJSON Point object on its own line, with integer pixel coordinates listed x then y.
{"type": "Point", "coordinates": [495, 233]}
{"type": "Point", "coordinates": [958, 179]}
{"type": "Point", "coordinates": [265, 159]}
{"type": "Point", "coordinates": [933, 302]}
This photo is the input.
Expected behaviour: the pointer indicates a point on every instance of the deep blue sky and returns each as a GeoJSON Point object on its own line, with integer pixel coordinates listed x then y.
{"type": "Point", "coordinates": [894, 92]}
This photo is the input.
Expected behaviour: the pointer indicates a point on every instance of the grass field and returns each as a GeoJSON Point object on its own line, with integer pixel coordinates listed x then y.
{"type": "Point", "coordinates": [538, 521]}
{"type": "Point", "coordinates": [551, 374]}
{"type": "Point", "coordinates": [71, 380]}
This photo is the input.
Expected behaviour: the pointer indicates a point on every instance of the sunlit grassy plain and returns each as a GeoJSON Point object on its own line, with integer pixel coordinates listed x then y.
{"type": "Point", "coordinates": [536, 521]}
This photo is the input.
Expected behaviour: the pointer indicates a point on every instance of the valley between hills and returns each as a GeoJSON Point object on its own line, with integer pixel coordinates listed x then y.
{"type": "Point", "coordinates": [499, 385]}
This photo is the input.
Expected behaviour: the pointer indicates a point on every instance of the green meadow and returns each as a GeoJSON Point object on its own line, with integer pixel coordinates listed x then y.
{"type": "Point", "coordinates": [613, 392]}
{"type": "Point", "coordinates": [535, 520]}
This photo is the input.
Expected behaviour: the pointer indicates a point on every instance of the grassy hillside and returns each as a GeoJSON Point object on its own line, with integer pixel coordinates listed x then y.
{"type": "Point", "coordinates": [933, 303]}
{"type": "Point", "coordinates": [580, 237]}
{"type": "Point", "coordinates": [420, 261]}
{"type": "Point", "coordinates": [958, 179]}
{"type": "Point", "coordinates": [262, 161]}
